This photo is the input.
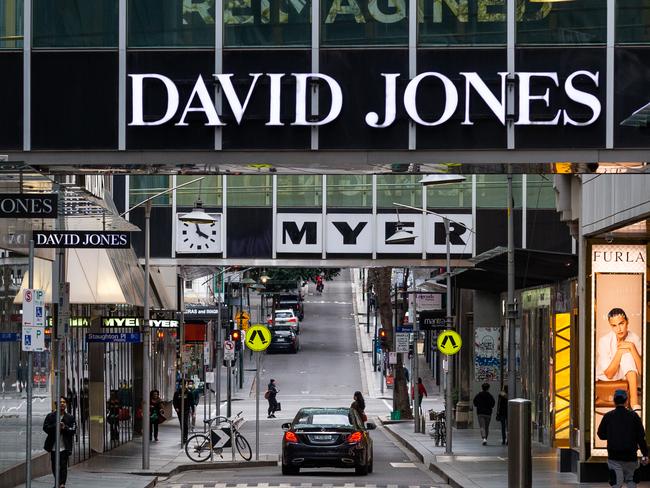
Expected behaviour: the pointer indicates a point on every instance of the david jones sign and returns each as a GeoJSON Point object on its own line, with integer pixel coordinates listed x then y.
{"type": "Point", "coordinates": [527, 84]}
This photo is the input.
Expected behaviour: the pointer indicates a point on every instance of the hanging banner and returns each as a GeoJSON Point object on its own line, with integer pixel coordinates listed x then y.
{"type": "Point", "coordinates": [618, 332]}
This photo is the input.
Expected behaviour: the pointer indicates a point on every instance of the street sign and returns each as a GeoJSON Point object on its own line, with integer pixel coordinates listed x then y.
{"type": "Point", "coordinates": [449, 342]}
{"type": "Point", "coordinates": [404, 328]}
{"type": "Point", "coordinates": [33, 308]}
{"type": "Point", "coordinates": [9, 337]}
{"type": "Point", "coordinates": [228, 350]}
{"type": "Point", "coordinates": [432, 320]}
{"type": "Point", "coordinates": [392, 358]}
{"type": "Point", "coordinates": [131, 337]}
{"type": "Point", "coordinates": [33, 339]}
{"type": "Point", "coordinates": [209, 377]}
{"type": "Point", "coordinates": [402, 342]}
{"type": "Point", "coordinates": [258, 337]}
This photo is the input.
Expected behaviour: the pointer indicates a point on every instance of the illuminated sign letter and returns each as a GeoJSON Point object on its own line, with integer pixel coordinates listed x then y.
{"type": "Point", "coordinates": [172, 99]}
{"type": "Point", "coordinates": [451, 98]}
{"type": "Point", "coordinates": [301, 98]}
{"type": "Point", "coordinates": [372, 118]}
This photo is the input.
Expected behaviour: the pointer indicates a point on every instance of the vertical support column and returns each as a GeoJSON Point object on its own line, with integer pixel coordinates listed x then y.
{"type": "Point", "coordinates": [218, 68]}
{"type": "Point", "coordinates": [425, 226]}
{"type": "Point", "coordinates": [30, 375]}
{"type": "Point", "coordinates": [450, 370]}
{"type": "Point", "coordinates": [219, 345]}
{"type": "Point", "coordinates": [473, 215]}
{"type": "Point", "coordinates": [524, 210]}
{"type": "Point", "coordinates": [257, 405]}
{"type": "Point", "coordinates": [511, 39]}
{"type": "Point", "coordinates": [274, 210]}
{"type": "Point", "coordinates": [375, 229]}
{"type": "Point", "coordinates": [510, 319]}
{"type": "Point", "coordinates": [121, 90]}
{"type": "Point", "coordinates": [611, 53]}
{"type": "Point", "coordinates": [224, 216]}
{"type": "Point", "coordinates": [174, 219]}
{"type": "Point", "coordinates": [146, 341]}
{"type": "Point", "coordinates": [27, 76]}
{"type": "Point", "coordinates": [415, 369]}
{"type": "Point", "coordinates": [324, 212]}
{"type": "Point", "coordinates": [519, 444]}
{"type": "Point", "coordinates": [413, 68]}
{"type": "Point", "coordinates": [315, 67]}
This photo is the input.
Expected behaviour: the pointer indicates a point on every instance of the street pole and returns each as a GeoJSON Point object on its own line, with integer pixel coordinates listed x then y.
{"type": "Point", "coordinates": [415, 369]}
{"type": "Point", "coordinates": [218, 341]}
{"type": "Point", "coordinates": [30, 374]}
{"type": "Point", "coordinates": [374, 342]}
{"type": "Point", "coordinates": [367, 311]}
{"type": "Point", "coordinates": [448, 324]}
{"type": "Point", "coordinates": [146, 336]}
{"type": "Point", "coordinates": [257, 407]}
{"type": "Point", "coordinates": [241, 346]}
{"type": "Point", "coordinates": [510, 306]}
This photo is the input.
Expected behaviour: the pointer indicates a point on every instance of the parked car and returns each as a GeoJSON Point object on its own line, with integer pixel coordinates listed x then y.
{"type": "Point", "coordinates": [286, 317]}
{"type": "Point", "coordinates": [327, 437]}
{"type": "Point", "coordinates": [291, 301]}
{"type": "Point", "coordinates": [284, 338]}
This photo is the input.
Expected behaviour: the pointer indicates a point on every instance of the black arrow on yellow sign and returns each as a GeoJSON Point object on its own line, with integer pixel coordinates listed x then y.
{"type": "Point", "coordinates": [449, 338]}
{"type": "Point", "coordinates": [257, 334]}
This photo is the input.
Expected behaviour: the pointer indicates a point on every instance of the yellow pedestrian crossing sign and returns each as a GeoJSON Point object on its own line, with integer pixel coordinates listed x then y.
{"type": "Point", "coordinates": [449, 342]}
{"type": "Point", "coordinates": [258, 337]}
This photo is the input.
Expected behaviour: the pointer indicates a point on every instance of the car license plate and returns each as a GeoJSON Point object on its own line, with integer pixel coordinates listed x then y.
{"type": "Point", "coordinates": [321, 437]}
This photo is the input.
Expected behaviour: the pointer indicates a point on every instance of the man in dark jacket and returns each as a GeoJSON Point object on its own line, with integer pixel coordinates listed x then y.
{"type": "Point", "coordinates": [183, 402]}
{"type": "Point", "coordinates": [624, 433]}
{"type": "Point", "coordinates": [68, 428]}
{"type": "Point", "coordinates": [484, 403]}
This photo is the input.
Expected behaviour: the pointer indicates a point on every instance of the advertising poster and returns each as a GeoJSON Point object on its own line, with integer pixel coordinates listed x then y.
{"type": "Point", "coordinates": [619, 331]}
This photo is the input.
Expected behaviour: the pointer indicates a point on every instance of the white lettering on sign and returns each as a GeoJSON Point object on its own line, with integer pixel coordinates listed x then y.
{"type": "Point", "coordinates": [438, 85]}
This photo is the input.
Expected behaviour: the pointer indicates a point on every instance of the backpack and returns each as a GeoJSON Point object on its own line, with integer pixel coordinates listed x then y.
{"type": "Point", "coordinates": [267, 395]}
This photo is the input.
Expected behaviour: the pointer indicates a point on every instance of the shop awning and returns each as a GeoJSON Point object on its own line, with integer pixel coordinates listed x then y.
{"type": "Point", "coordinates": [532, 268]}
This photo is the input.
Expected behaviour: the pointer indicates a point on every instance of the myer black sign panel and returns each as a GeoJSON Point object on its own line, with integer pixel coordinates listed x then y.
{"type": "Point", "coordinates": [136, 322]}
{"type": "Point", "coordinates": [27, 205]}
{"type": "Point", "coordinates": [82, 239]}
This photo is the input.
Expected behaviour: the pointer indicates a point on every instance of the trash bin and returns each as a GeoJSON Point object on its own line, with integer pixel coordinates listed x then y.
{"type": "Point", "coordinates": [396, 415]}
{"type": "Point", "coordinates": [462, 415]}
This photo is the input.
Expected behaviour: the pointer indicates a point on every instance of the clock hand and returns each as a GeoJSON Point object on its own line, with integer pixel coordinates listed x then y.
{"type": "Point", "coordinates": [199, 233]}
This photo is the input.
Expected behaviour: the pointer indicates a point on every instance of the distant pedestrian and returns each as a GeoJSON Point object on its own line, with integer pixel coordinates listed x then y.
{"type": "Point", "coordinates": [422, 392]}
{"type": "Point", "coordinates": [406, 374]}
{"type": "Point", "coordinates": [20, 376]}
{"type": "Point", "coordinates": [271, 393]}
{"type": "Point", "coordinates": [624, 433]}
{"type": "Point", "coordinates": [484, 403]}
{"type": "Point", "coordinates": [68, 428]}
{"type": "Point", "coordinates": [359, 404]}
{"type": "Point", "coordinates": [156, 416]}
{"type": "Point", "coordinates": [502, 414]}
{"type": "Point", "coordinates": [183, 402]}
{"type": "Point", "coordinates": [194, 393]}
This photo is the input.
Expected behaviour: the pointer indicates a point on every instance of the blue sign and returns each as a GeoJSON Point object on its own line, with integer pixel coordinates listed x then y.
{"type": "Point", "coordinates": [131, 337]}
{"type": "Point", "coordinates": [404, 328]}
{"type": "Point", "coordinates": [9, 337]}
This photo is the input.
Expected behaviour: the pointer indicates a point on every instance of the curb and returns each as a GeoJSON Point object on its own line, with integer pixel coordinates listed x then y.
{"type": "Point", "coordinates": [449, 475]}
{"type": "Point", "coordinates": [204, 467]}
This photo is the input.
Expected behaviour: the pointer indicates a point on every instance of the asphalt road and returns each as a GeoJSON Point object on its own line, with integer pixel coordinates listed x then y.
{"type": "Point", "coordinates": [325, 372]}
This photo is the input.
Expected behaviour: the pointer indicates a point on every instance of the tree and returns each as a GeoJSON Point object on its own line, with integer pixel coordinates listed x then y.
{"type": "Point", "coordinates": [380, 279]}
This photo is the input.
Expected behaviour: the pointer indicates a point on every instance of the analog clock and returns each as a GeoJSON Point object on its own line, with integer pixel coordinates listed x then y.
{"type": "Point", "coordinates": [198, 238]}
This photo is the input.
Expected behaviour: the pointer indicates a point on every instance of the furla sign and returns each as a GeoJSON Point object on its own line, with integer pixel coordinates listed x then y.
{"type": "Point", "coordinates": [533, 93]}
{"type": "Point", "coordinates": [304, 233]}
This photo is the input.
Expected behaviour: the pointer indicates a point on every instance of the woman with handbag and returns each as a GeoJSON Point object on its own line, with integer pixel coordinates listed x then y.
{"type": "Point", "coordinates": [502, 413]}
{"type": "Point", "coordinates": [156, 416]}
{"type": "Point", "coordinates": [359, 404]}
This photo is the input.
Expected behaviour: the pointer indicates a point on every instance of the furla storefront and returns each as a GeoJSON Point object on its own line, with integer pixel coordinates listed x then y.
{"type": "Point", "coordinates": [364, 84]}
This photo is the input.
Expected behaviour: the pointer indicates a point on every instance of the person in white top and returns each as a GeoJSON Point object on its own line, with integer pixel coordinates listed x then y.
{"type": "Point", "coordinates": [618, 355]}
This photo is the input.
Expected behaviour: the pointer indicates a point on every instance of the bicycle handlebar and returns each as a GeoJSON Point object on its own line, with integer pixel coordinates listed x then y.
{"type": "Point", "coordinates": [221, 418]}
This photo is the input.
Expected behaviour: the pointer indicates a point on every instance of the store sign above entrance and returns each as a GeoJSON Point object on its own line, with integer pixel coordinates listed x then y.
{"type": "Point", "coordinates": [533, 94]}
{"type": "Point", "coordinates": [29, 206]}
{"type": "Point", "coordinates": [135, 322]}
{"type": "Point", "coordinates": [81, 238]}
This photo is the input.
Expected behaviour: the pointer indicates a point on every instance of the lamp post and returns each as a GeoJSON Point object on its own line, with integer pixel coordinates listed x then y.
{"type": "Point", "coordinates": [196, 216]}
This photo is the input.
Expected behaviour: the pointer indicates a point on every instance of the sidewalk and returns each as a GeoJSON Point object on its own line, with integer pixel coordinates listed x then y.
{"type": "Point", "coordinates": [472, 465]}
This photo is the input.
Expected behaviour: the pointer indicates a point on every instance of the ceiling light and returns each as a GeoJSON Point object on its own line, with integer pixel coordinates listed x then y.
{"type": "Point", "coordinates": [441, 179]}
{"type": "Point", "coordinates": [197, 215]}
{"type": "Point", "coordinates": [247, 281]}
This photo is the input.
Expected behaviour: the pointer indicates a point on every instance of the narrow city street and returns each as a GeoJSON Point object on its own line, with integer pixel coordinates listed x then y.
{"type": "Point", "coordinates": [325, 372]}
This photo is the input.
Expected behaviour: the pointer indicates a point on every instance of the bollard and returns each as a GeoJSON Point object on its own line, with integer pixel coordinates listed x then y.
{"type": "Point", "coordinates": [519, 445]}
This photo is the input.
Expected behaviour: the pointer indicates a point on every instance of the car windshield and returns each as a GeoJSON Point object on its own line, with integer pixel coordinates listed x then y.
{"type": "Point", "coordinates": [321, 417]}
{"type": "Point", "coordinates": [283, 315]}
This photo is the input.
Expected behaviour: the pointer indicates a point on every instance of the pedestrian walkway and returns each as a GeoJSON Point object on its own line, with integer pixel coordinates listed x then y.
{"type": "Point", "coordinates": [472, 465]}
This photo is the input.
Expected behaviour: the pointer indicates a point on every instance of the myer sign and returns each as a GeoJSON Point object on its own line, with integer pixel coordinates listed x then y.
{"type": "Point", "coordinates": [530, 94]}
{"type": "Point", "coordinates": [135, 322]}
{"type": "Point", "coordinates": [366, 233]}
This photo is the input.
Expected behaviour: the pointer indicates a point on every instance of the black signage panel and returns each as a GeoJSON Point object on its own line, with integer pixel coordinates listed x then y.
{"type": "Point", "coordinates": [28, 206]}
{"type": "Point", "coordinates": [82, 239]}
{"type": "Point", "coordinates": [632, 93]}
{"type": "Point", "coordinates": [11, 88]}
{"type": "Point", "coordinates": [574, 116]}
{"type": "Point", "coordinates": [432, 319]}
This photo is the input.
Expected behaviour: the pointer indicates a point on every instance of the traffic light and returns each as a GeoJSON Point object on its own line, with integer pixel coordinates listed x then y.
{"type": "Point", "coordinates": [383, 337]}
{"type": "Point", "coordinates": [235, 336]}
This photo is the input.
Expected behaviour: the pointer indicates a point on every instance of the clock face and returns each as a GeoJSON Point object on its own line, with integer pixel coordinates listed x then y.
{"type": "Point", "coordinates": [198, 238]}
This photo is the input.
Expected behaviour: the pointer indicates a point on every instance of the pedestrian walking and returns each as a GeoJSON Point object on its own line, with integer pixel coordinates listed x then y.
{"type": "Point", "coordinates": [194, 393]}
{"type": "Point", "coordinates": [183, 401]}
{"type": "Point", "coordinates": [484, 403]}
{"type": "Point", "coordinates": [113, 417]}
{"type": "Point", "coordinates": [271, 393]}
{"type": "Point", "coordinates": [359, 404]}
{"type": "Point", "coordinates": [68, 428]}
{"type": "Point", "coordinates": [422, 392]}
{"type": "Point", "coordinates": [502, 414]}
{"type": "Point", "coordinates": [156, 415]}
{"type": "Point", "coordinates": [624, 433]}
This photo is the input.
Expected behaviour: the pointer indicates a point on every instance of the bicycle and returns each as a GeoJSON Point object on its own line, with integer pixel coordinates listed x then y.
{"type": "Point", "coordinates": [438, 428]}
{"type": "Point", "coordinates": [200, 447]}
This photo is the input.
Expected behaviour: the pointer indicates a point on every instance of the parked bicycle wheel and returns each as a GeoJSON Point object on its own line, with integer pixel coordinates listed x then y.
{"type": "Point", "coordinates": [197, 448]}
{"type": "Point", "coordinates": [243, 447]}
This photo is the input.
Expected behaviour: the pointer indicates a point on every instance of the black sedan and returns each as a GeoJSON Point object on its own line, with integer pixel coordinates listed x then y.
{"type": "Point", "coordinates": [327, 437]}
{"type": "Point", "coordinates": [284, 338]}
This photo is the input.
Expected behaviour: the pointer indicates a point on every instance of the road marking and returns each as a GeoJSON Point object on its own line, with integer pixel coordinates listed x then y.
{"type": "Point", "coordinates": [403, 465]}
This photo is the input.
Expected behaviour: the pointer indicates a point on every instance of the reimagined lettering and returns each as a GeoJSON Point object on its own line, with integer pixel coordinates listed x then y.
{"type": "Point", "coordinates": [530, 96]}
